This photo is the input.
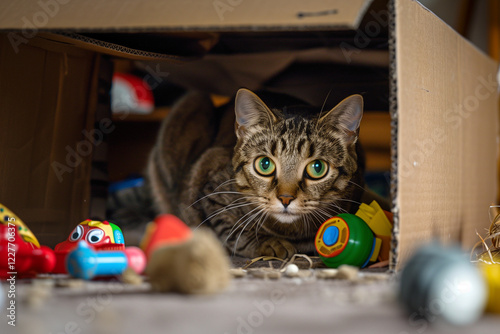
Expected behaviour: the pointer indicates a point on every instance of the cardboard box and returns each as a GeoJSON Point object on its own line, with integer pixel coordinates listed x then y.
{"type": "Point", "coordinates": [48, 96]}
{"type": "Point", "coordinates": [441, 91]}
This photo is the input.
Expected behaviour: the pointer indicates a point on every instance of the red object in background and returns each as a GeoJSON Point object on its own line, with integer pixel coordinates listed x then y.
{"type": "Point", "coordinates": [21, 257]}
{"type": "Point", "coordinates": [130, 93]}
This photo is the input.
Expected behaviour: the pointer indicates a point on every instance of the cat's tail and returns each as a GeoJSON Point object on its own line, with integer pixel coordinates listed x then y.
{"type": "Point", "coordinates": [185, 133]}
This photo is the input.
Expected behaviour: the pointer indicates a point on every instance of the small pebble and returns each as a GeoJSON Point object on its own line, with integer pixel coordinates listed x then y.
{"type": "Point", "coordinates": [304, 273]}
{"type": "Point", "coordinates": [292, 270]}
{"type": "Point", "coordinates": [264, 273]}
{"type": "Point", "coordinates": [375, 276]}
{"type": "Point", "coordinates": [326, 273]}
{"type": "Point", "coordinates": [129, 276]}
{"type": "Point", "coordinates": [274, 274]}
{"type": "Point", "coordinates": [46, 282]}
{"type": "Point", "coordinates": [258, 273]}
{"type": "Point", "coordinates": [36, 295]}
{"type": "Point", "coordinates": [238, 272]}
{"type": "Point", "coordinates": [348, 272]}
{"type": "Point", "coordinates": [72, 283]}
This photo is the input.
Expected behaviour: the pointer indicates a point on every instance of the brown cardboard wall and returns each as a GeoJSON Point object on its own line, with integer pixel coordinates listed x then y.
{"type": "Point", "coordinates": [447, 132]}
{"type": "Point", "coordinates": [46, 100]}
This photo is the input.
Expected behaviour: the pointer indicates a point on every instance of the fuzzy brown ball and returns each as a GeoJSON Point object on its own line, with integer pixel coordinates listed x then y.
{"type": "Point", "coordinates": [198, 266]}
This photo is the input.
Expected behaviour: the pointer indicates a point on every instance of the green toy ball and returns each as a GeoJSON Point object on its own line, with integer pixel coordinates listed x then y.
{"type": "Point", "coordinates": [345, 239]}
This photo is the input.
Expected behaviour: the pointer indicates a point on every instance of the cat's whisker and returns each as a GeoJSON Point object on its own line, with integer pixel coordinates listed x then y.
{"type": "Point", "coordinates": [356, 184]}
{"type": "Point", "coordinates": [337, 206]}
{"type": "Point", "coordinates": [340, 199]}
{"type": "Point", "coordinates": [261, 224]}
{"type": "Point", "coordinates": [347, 200]}
{"type": "Point", "coordinates": [324, 215]}
{"type": "Point", "coordinates": [317, 215]}
{"type": "Point", "coordinates": [321, 217]}
{"type": "Point", "coordinates": [247, 199]}
{"type": "Point", "coordinates": [316, 220]}
{"type": "Point", "coordinates": [313, 218]}
{"type": "Point", "coordinates": [257, 222]}
{"type": "Point", "coordinates": [338, 209]}
{"type": "Point", "coordinates": [222, 210]}
{"type": "Point", "coordinates": [276, 221]}
{"type": "Point", "coordinates": [307, 222]}
{"type": "Point", "coordinates": [217, 193]}
{"type": "Point", "coordinates": [322, 108]}
{"type": "Point", "coordinates": [238, 224]}
{"type": "Point", "coordinates": [225, 183]}
{"type": "Point", "coordinates": [248, 221]}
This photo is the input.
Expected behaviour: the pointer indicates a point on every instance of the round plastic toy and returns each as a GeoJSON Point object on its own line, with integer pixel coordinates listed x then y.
{"type": "Point", "coordinates": [136, 259]}
{"type": "Point", "coordinates": [99, 235]}
{"type": "Point", "coordinates": [440, 283]}
{"type": "Point", "coordinates": [345, 239]}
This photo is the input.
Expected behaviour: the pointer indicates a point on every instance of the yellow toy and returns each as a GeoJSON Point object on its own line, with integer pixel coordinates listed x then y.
{"type": "Point", "coordinates": [489, 260]}
{"type": "Point", "coordinates": [491, 273]}
{"type": "Point", "coordinates": [25, 233]}
{"type": "Point", "coordinates": [379, 222]}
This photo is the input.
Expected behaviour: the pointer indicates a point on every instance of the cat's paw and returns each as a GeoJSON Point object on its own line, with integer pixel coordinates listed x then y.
{"type": "Point", "coordinates": [276, 247]}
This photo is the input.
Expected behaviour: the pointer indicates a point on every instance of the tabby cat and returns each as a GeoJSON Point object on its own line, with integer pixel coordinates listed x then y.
{"type": "Point", "coordinates": [263, 173]}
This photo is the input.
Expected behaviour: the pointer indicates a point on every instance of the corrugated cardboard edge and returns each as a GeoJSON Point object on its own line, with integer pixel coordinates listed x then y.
{"type": "Point", "coordinates": [393, 110]}
{"type": "Point", "coordinates": [111, 49]}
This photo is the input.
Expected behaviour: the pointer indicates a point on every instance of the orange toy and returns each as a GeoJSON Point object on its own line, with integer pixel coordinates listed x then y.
{"type": "Point", "coordinates": [166, 230]}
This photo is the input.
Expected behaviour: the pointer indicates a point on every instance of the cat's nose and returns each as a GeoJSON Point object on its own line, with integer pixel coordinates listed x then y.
{"type": "Point", "coordinates": [286, 199]}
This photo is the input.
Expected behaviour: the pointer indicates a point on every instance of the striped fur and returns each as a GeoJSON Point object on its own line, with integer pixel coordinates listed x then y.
{"type": "Point", "coordinates": [218, 185]}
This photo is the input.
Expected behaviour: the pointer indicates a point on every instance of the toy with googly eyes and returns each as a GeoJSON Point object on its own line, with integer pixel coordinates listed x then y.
{"type": "Point", "coordinates": [98, 235]}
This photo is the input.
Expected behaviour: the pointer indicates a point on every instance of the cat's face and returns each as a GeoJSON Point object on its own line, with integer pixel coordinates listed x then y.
{"type": "Point", "coordinates": [294, 168]}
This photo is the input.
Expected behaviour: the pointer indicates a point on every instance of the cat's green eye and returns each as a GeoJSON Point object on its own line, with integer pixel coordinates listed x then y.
{"type": "Point", "coordinates": [264, 166]}
{"type": "Point", "coordinates": [316, 169]}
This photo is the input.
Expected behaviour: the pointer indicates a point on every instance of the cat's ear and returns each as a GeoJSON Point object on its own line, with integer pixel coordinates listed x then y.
{"type": "Point", "coordinates": [346, 115]}
{"type": "Point", "coordinates": [250, 110]}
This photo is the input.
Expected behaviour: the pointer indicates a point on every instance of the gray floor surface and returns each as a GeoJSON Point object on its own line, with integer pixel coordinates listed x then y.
{"type": "Point", "coordinates": [248, 305]}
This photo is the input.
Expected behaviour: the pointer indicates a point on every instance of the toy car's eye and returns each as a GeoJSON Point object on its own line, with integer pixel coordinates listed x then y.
{"type": "Point", "coordinates": [76, 234]}
{"type": "Point", "coordinates": [95, 236]}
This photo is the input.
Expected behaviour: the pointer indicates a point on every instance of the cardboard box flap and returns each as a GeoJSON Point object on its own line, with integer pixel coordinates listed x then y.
{"type": "Point", "coordinates": [181, 15]}
{"type": "Point", "coordinates": [188, 47]}
{"type": "Point", "coordinates": [169, 30]}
